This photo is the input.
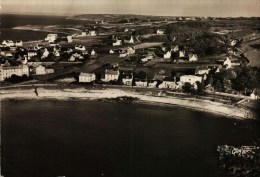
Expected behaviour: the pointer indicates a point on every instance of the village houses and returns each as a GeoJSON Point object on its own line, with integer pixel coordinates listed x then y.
{"type": "Point", "coordinates": [41, 70]}
{"type": "Point", "coordinates": [193, 57]}
{"type": "Point", "coordinates": [127, 79]}
{"type": "Point", "coordinates": [51, 37]}
{"type": "Point", "coordinates": [7, 70]}
{"type": "Point", "coordinates": [160, 32]}
{"type": "Point", "coordinates": [110, 75]}
{"type": "Point", "coordinates": [87, 77]}
{"type": "Point", "coordinates": [190, 79]}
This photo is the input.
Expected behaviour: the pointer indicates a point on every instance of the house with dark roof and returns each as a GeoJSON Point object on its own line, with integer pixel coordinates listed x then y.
{"type": "Point", "coordinates": [127, 79]}
{"type": "Point", "coordinates": [193, 57]}
{"type": "Point", "coordinates": [110, 75]}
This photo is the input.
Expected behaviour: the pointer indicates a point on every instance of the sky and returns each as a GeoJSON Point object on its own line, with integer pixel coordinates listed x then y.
{"type": "Point", "coordinates": [216, 8]}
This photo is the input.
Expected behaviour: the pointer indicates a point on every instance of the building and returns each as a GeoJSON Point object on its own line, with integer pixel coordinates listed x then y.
{"type": "Point", "coordinates": [8, 43]}
{"type": "Point", "coordinates": [93, 52]}
{"type": "Point", "coordinates": [87, 77]}
{"type": "Point", "coordinates": [130, 50]}
{"type": "Point", "coordinates": [110, 75]}
{"type": "Point", "coordinates": [51, 37]}
{"type": "Point", "coordinates": [129, 41]}
{"type": "Point", "coordinates": [201, 70]}
{"type": "Point", "coordinates": [111, 51]}
{"type": "Point", "coordinates": [227, 63]}
{"type": "Point", "coordinates": [141, 82]}
{"type": "Point", "coordinates": [45, 53]}
{"type": "Point", "coordinates": [69, 39]}
{"type": "Point", "coordinates": [127, 79]}
{"type": "Point", "coordinates": [117, 43]}
{"type": "Point", "coordinates": [19, 43]}
{"type": "Point", "coordinates": [168, 82]}
{"type": "Point", "coordinates": [175, 48]}
{"type": "Point", "coordinates": [193, 57]}
{"type": "Point", "coordinates": [146, 59]}
{"type": "Point", "coordinates": [122, 54]}
{"type": "Point", "coordinates": [92, 33]}
{"type": "Point", "coordinates": [167, 55]}
{"type": "Point", "coordinates": [31, 53]}
{"type": "Point", "coordinates": [233, 42]}
{"type": "Point", "coordinates": [41, 70]}
{"type": "Point", "coordinates": [6, 71]}
{"type": "Point", "coordinates": [181, 53]}
{"type": "Point", "coordinates": [152, 83]}
{"type": "Point", "coordinates": [190, 79]}
{"type": "Point", "coordinates": [160, 32]}
{"type": "Point", "coordinates": [80, 47]}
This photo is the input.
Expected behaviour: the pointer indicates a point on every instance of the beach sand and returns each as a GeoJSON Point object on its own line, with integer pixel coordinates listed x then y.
{"type": "Point", "coordinates": [230, 111]}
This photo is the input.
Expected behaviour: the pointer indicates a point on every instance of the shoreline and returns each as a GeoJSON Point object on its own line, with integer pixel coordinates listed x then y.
{"type": "Point", "coordinates": [81, 94]}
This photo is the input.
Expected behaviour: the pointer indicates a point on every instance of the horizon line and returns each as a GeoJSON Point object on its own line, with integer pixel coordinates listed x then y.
{"type": "Point", "coordinates": [75, 14]}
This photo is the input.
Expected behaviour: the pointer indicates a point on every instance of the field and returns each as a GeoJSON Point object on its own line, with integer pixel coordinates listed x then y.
{"type": "Point", "coordinates": [252, 53]}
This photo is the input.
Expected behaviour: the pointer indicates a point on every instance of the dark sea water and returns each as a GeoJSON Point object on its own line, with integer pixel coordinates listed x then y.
{"type": "Point", "coordinates": [8, 21]}
{"type": "Point", "coordinates": [89, 138]}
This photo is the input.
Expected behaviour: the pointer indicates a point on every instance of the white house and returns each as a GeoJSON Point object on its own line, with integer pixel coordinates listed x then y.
{"type": "Point", "coordinates": [87, 77]}
{"type": "Point", "coordinates": [122, 54]}
{"type": "Point", "coordinates": [168, 82]}
{"type": "Point", "coordinates": [8, 54]}
{"type": "Point", "coordinates": [69, 39]}
{"type": "Point", "coordinates": [92, 33]}
{"type": "Point", "coordinates": [175, 48]}
{"type": "Point", "coordinates": [190, 79]}
{"type": "Point", "coordinates": [129, 41]}
{"type": "Point", "coordinates": [141, 83]}
{"type": "Point", "coordinates": [110, 75]}
{"type": "Point", "coordinates": [111, 51]}
{"type": "Point", "coordinates": [72, 58]}
{"type": "Point", "coordinates": [117, 43]}
{"type": "Point", "coordinates": [31, 53]}
{"type": "Point", "coordinates": [130, 50]}
{"type": "Point", "coordinates": [181, 53]}
{"type": "Point", "coordinates": [152, 83]}
{"type": "Point", "coordinates": [93, 52]}
{"type": "Point", "coordinates": [8, 43]}
{"type": "Point", "coordinates": [193, 57]}
{"type": "Point", "coordinates": [127, 79]}
{"type": "Point", "coordinates": [201, 70]}
{"type": "Point", "coordinates": [83, 33]}
{"type": "Point", "coordinates": [160, 32]}
{"type": "Point", "coordinates": [56, 53]}
{"type": "Point", "coordinates": [51, 37]}
{"type": "Point", "coordinates": [80, 47]}
{"type": "Point", "coordinates": [233, 42]}
{"type": "Point", "coordinates": [227, 63]}
{"type": "Point", "coordinates": [146, 59]}
{"type": "Point", "coordinates": [45, 53]}
{"type": "Point", "coordinates": [6, 71]}
{"type": "Point", "coordinates": [19, 43]}
{"type": "Point", "coordinates": [253, 96]}
{"type": "Point", "coordinates": [41, 70]}
{"type": "Point", "coordinates": [167, 55]}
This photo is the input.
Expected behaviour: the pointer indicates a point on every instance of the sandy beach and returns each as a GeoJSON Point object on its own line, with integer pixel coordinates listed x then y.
{"type": "Point", "coordinates": [230, 111]}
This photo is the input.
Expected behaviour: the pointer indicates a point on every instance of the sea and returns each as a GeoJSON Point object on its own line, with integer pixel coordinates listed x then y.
{"type": "Point", "coordinates": [50, 138]}
{"type": "Point", "coordinates": [9, 21]}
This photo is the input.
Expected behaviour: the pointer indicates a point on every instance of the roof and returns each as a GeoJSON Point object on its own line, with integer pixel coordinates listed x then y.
{"type": "Point", "coordinates": [112, 72]}
{"type": "Point", "coordinates": [87, 74]}
{"type": "Point", "coordinates": [127, 75]}
{"type": "Point", "coordinates": [191, 55]}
